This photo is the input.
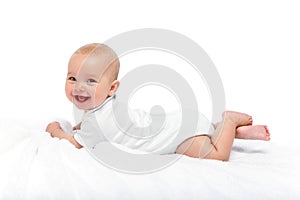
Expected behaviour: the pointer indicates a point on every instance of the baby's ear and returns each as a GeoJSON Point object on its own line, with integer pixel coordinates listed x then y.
{"type": "Point", "coordinates": [114, 86]}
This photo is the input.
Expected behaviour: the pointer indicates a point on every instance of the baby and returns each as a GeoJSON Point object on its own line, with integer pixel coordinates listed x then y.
{"type": "Point", "coordinates": [91, 85]}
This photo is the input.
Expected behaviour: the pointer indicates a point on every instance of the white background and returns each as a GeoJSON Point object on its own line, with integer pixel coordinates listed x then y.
{"type": "Point", "coordinates": [255, 46]}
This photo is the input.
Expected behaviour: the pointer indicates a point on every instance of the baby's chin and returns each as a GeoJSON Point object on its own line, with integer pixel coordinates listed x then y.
{"type": "Point", "coordinates": [85, 106]}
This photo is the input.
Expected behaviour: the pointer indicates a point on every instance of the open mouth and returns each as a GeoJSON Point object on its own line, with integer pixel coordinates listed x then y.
{"type": "Point", "coordinates": [81, 99]}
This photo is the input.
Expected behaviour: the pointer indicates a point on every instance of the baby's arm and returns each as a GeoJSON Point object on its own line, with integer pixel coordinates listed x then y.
{"type": "Point", "coordinates": [56, 131]}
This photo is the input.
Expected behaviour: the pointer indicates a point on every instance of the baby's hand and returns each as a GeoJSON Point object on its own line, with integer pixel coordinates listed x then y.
{"type": "Point", "coordinates": [54, 129]}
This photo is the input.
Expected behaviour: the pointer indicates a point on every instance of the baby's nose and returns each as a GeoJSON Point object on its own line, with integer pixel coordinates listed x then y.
{"type": "Point", "coordinates": [79, 86]}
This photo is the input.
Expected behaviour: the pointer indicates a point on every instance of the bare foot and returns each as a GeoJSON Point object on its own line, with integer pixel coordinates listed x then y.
{"type": "Point", "coordinates": [257, 132]}
{"type": "Point", "coordinates": [239, 119]}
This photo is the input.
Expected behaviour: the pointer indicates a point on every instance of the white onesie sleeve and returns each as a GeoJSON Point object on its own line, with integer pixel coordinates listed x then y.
{"type": "Point", "coordinates": [88, 135]}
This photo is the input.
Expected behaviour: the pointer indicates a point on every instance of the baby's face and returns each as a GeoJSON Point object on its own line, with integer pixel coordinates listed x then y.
{"type": "Point", "coordinates": [86, 86]}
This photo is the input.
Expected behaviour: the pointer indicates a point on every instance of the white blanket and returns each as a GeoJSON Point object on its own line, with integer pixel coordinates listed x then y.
{"type": "Point", "coordinates": [36, 166]}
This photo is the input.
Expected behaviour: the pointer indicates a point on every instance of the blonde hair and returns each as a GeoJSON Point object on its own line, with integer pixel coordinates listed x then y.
{"type": "Point", "coordinates": [99, 49]}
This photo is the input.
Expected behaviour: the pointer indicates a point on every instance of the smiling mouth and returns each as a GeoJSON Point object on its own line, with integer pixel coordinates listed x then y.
{"type": "Point", "coordinates": [81, 99]}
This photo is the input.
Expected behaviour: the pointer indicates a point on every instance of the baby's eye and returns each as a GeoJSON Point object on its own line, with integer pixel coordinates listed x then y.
{"type": "Point", "coordinates": [91, 81]}
{"type": "Point", "coordinates": [71, 78]}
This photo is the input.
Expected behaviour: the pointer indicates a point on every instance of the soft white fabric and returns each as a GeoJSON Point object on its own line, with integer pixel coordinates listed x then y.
{"type": "Point", "coordinates": [36, 166]}
{"type": "Point", "coordinates": [100, 125]}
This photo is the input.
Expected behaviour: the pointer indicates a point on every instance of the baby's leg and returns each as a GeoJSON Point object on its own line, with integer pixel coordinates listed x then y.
{"type": "Point", "coordinates": [257, 132]}
{"type": "Point", "coordinates": [219, 145]}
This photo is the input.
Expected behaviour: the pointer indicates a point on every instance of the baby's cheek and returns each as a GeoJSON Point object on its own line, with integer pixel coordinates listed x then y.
{"type": "Point", "coordinates": [68, 91]}
{"type": "Point", "coordinates": [99, 99]}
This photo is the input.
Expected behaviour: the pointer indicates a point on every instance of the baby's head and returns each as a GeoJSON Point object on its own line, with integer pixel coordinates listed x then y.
{"type": "Point", "coordinates": [92, 75]}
